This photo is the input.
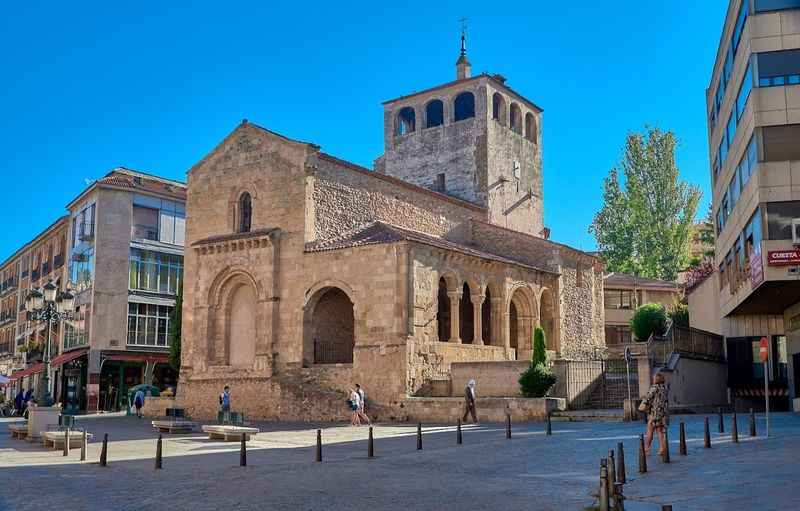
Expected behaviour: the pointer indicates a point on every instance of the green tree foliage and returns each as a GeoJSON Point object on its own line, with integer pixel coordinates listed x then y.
{"type": "Point", "coordinates": [679, 313]}
{"type": "Point", "coordinates": [175, 332]}
{"type": "Point", "coordinates": [648, 319]}
{"type": "Point", "coordinates": [645, 228]}
{"type": "Point", "coordinates": [539, 347]}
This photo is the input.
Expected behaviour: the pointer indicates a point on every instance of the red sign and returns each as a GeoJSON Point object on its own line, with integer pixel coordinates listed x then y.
{"type": "Point", "coordinates": [763, 350]}
{"type": "Point", "coordinates": [783, 257]}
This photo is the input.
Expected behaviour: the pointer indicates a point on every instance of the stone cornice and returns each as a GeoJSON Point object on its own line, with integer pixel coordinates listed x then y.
{"type": "Point", "coordinates": [261, 238]}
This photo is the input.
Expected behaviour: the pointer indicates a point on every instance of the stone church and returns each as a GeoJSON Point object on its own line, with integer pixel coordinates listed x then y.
{"type": "Point", "coordinates": [306, 274]}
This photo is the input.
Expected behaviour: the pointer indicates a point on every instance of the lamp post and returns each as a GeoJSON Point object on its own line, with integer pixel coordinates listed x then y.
{"type": "Point", "coordinates": [49, 305]}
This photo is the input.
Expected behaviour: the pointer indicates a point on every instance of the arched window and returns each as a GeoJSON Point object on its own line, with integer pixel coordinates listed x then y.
{"type": "Point", "coordinates": [406, 121]}
{"type": "Point", "coordinates": [443, 312]}
{"type": "Point", "coordinates": [515, 118]}
{"type": "Point", "coordinates": [530, 127]}
{"type": "Point", "coordinates": [466, 318]}
{"type": "Point", "coordinates": [434, 113]}
{"type": "Point", "coordinates": [245, 212]}
{"type": "Point", "coordinates": [499, 108]}
{"type": "Point", "coordinates": [464, 106]}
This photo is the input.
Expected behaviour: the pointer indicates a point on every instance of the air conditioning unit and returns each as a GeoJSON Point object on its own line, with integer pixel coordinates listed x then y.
{"type": "Point", "coordinates": [796, 231]}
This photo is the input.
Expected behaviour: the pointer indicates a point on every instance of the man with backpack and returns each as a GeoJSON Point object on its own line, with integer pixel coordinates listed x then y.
{"type": "Point", "coordinates": [225, 403]}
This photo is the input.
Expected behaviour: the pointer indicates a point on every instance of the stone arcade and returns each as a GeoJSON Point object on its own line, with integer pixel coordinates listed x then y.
{"type": "Point", "coordinates": [305, 274]}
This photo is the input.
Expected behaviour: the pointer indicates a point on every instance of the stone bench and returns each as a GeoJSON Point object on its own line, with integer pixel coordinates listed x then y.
{"type": "Point", "coordinates": [56, 439]}
{"type": "Point", "coordinates": [174, 426]}
{"type": "Point", "coordinates": [18, 430]}
{"type": "Point", "coordinates": [229, 433]}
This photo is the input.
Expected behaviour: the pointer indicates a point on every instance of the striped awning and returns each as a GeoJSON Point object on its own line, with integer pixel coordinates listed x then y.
{"type": "Point", "coordinates": [36, 368]}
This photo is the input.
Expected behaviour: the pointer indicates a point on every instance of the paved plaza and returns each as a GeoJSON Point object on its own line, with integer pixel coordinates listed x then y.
{"type": "Point", "coordinates": [531, 471]}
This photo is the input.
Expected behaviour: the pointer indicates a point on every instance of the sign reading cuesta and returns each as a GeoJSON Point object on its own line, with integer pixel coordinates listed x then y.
{"type": "Point", "coordinates": [783, 257]}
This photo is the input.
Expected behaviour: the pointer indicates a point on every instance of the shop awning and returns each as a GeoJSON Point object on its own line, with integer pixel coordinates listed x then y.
{"type": "Point", "coordinates": [155, 358]}
{"type": "Point", "coordinates": [36, 368]}
{"type": "Point", "coordinates": [68, 357]}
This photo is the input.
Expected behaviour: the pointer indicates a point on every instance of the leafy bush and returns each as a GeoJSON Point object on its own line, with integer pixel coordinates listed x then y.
{"type": "Point", "coordinates": [539, 347]}
{"type": "Point", "coordinates": [679, 314]}
{"type": "Point", "coordinates": [536, 381]}
{"type": "Point", "coordinates": [648, 319]}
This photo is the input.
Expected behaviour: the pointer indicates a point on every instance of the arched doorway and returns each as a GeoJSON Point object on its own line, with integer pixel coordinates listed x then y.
{"type": "Point", "coordinates": [486, 318]}
{"type": "Point", "coordinates": [547, 319]}
{"type": "Point", "coordinates": [329, 326]}
{"type": "Point", "coordinates": [241, 331]}
{"type": "Point", "coordinates": [443, 312]}
{"type": "Point", "coordinates": [466, 318]}
{"type": "Point", "coordinates": [520, 321]}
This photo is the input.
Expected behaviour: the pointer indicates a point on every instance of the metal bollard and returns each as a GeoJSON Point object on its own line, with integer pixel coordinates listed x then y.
{"type": "Point", "coordinates": [419, 436]}
{"type": "Point", "coordinates": [721, 421]}
{"type": "Point", "coordinates": [665, 456]}
{"type": "Point", "coordinates": [319, 445]}
{"type": "Point", "coordinates": [752, 423]}
{"type": "Point", "coordinates": [66, 441]}
{"type": "Point", "coordinates": [642, 456]}
{"type": "Point", "coordinates": [370, 445]}
{"type": "Point", "coordinates": [459, 437]}
{"type": "Point", "coordinates": [621, 463]}
{"type": "Point", "coordinates": [242, 451]}
{"type": "Point", "coordinates": [508, 425]}
{"type": "Point", "coordinates": [548, 425]}
{"type": "Point", "coordinates": [682, 444]}
{"type": "Point", "coordinates": [666, 508]}
{"type": "Point", "coordinates": [104, 451]}
{"type": "Point", "coordinates": [83, 446]}
{"type": "Point", "coordinates": [618, 497]}
{"type": "Point", "coordinates": [707, 436]}
{"type": "Point", "coordinates": [611, 473]}
{"type": "Point", "coordinates": [603, 486]}
{"type": "Point", "coordinates": [158, 453]}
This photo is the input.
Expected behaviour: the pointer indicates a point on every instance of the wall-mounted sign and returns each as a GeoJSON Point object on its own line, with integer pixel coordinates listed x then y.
{"type": "Point", "coordinates": [756, 270]}
{"type": "Point", "coordinates": [783, 257]}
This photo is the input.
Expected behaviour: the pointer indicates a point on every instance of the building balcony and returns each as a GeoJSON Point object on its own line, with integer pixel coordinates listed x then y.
{"type": "Point", "coordinates": [58, 261]}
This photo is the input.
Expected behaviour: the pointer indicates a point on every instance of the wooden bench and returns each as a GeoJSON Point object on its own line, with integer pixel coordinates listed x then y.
{"type": "Point", "coordinates": [174, 426]}
{"type": "Point", "coordinates": [229, 433]}
{"type": "Point", "coordinates": [56, 439]}
{"type": "Point", "coordinates": [18, 430]}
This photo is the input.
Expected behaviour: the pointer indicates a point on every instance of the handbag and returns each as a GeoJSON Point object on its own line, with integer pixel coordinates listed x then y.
{"type": "Point", "coordinates": [644, 406]}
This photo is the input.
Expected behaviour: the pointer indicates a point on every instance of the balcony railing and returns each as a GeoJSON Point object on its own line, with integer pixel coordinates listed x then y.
{"type": "Point", "coordinates": [86, 231]}
{"type": "Point", "coordinates": [144, 232]}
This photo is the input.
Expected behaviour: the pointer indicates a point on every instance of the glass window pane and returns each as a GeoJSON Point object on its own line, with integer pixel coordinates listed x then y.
{"type": "Point", "coordinates": [131, 329]}
{"type": "Point", "coordinates": [151, 331]}
{"type": "Point", "coordinates": [162, 332]}
{"type": "Point", "coordinates": [163, 281]}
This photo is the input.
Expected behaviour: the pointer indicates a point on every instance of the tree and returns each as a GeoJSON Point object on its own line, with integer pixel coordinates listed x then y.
{"type": "Point", "coordinates": [537, 379]}
{"type": "Point", "coordinates": [650, 318]}
{"type": "Point", "coordinates": [175, 332]}
{"type": "Point", "coordinates": [645, 228]}
{"type": "Point", "coordinates": [679, 313]}
{"type": "Point", "coordinates": [539, 347]}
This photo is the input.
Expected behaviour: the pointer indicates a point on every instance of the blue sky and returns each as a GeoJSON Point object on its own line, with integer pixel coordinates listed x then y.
{"type": "Point", "coordinates": [154, 86]}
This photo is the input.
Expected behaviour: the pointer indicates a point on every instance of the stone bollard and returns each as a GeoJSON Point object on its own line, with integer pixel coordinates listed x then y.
{"type": "Point", "coordinates": [419, 436]}
{"type": "Point", "coordinates": [752, 423]}
{"type": "Point", "coordinates": [682, 444]}
{"type": "Point", "coordinates": [242, 451]}
{"type": "Point", "coordinates": [371, 445]}
{"type": "Point", "coordinates": [707, 435]}
{"type": "Point", "coordinates": [459, 436]}
{"type": "Point", "coordinates": [618, 497]}
{"type": "Point", "coordinates": [508, 425]}
{"type": "Point", "coordinates": [548, 425]}
{"type": "Point", "coordinates": [611, 472]}
{"type": "Point", "coordinates": [642, 456]}
{"type": "Point", "coordinates": [83, 446]}
{"type": "Point", "coordinates": [721, 421]}
{"type": "Point", "coordinates": [603, 494]}
{"type": "Point", "coordinates": [621, 463]}
{"type": "Point", "coordinates": [66, 441]}
{"type": "Point", "coordinates": [104, 451]}
{"type": "Point", "coordinates": [158, 453]}
{"type": "Point", "coordinates": [319, 445]}
{"type": "Point", "coordinates": [665, 456]}
{"type": "Point", "coordinates": [735, 429]}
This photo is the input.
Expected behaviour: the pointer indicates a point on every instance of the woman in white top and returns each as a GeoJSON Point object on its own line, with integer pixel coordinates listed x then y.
{"type": "Point", "coordinates": [354, 401]}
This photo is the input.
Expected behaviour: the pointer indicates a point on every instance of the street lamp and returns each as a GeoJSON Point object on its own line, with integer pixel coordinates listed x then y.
{"type": "Point", "coordinates": [49, 305]}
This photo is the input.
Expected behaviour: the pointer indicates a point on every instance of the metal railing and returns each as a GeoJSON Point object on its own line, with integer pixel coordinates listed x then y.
{"type": "Point", "coordinates": [686, 341]}
{"type": "Point", "coordinates": [144, 232]}
{"type": "Point", "coordinates": [595, 384]}
{"type": "Point", "coordinates": [332, 352]}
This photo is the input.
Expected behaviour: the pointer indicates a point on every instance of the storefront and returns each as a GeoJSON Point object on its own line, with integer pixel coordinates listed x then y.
{"type": "Point", "coordinates": [69, 370]}
{"type": "Point", "coordinates": [792, 322]}
{"type": "Point", "coordinates": [122, 370]}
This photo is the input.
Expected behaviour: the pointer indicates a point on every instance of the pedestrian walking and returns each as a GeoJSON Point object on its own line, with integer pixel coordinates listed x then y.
{"type": "Point", "coordinates": [469, 402]}
{"type": "Point", "coordinates": [18, 402]}
{"type": "Point", "coordinates": [138, 402]}
{"type": "Point", "coordinates": [353, 400]}
{"type": "Point", "coordinates": [362, 404]}
{"type": "Point", "coordinates": [225, 403]}
{"type": "Point", "coordinates": [656, 404]}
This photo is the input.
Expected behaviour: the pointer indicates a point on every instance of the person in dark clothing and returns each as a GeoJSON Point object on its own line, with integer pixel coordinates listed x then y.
{"type": "Point", "coordinates": [469, 402]}
{"type": "Point", "coordinates": [18, 402]}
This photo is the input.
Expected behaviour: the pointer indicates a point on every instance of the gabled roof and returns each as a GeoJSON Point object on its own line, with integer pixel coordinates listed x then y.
{"type": "Point", "coordinates": [624, 280]}
{"type": "Point", "coordinates": [377, 233]}
{"type": "Point", "coordinates": [121, 177]}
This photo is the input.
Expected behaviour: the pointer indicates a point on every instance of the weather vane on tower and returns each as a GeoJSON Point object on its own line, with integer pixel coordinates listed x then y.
{"type": "Point", "coordinates": [463, 22]}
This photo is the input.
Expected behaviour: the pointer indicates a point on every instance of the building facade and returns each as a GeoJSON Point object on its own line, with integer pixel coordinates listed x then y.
{"type": "Point", "coordinates": [306, 273]}
{"type": "Point", "coordinates": [753, 106]}
{"type": "Point", "coordinates": [120, 251]}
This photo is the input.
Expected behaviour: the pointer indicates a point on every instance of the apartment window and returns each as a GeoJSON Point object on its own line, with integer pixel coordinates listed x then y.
{"type": "Point", "coordinates": [145, 223]}
{"type": "Point", "coordinates": [780, 142]}
{"type": "Point", "coordinates": [779, 219]}
{"type": "Point", "coordinates": [777, 68]}
{"type": "Point", "coordinates": [747, 164]}
{"type": "Point", "coordinates": [75, 331]}
{"type": "Point", "coordinates": [733, 190]}
{"type": "Point", "coordinates": [618, 334]}
{"type": "Point", "coordinates": [155, 272]}
{"type": "Point", "coordinates": [618, 299]}
{"type": "Point", "coordinates": [148, 324]}
{"type": "Point", "coordinates": [775, 5]}
{"type": "Point", "coordinates": [722, 275]}
{"type": "Point", "coordinates": [81, 269]}
{"type": "Point", "coordinates": [158, 220]}
{"type": "Point", "coordinates": [744, 92]}
{"type": "Point", "coordinates": [739, 27]}
{"type": "Point", "coordinates": [83, 226]}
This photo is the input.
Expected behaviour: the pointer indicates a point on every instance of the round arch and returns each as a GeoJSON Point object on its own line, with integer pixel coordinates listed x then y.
{"type": "Point", "coordinates": [547, 318]}
{"type": "Point", "coordinates": [329, 324]}
{"type": "Point", "coordinates": [233, 319]}
{"type": "Point", "coordinates": [521, 317]}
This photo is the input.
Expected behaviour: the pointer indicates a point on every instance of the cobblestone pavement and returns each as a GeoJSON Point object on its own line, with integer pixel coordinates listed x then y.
{"type": "Point", "coordinates": [531, 471]}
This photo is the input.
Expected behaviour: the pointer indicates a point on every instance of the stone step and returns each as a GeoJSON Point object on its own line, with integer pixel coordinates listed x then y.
{"type": "Point", "coordinates": [588, 416]}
